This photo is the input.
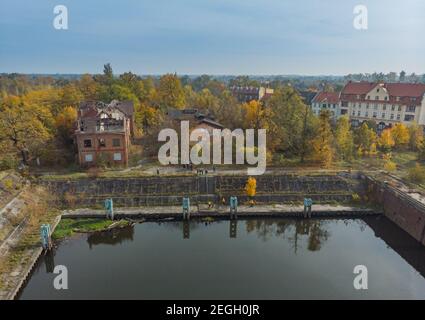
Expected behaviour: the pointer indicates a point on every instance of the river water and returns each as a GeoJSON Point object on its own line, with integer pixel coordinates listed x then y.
{"type": "Point", "coordinates": [247, 259]}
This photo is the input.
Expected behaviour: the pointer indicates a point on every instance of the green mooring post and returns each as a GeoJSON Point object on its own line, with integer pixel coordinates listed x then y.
{"type": "Point", "coordinates": [233, 207]}
{"type": "Point", "coordinates": [308, 202]}
{"type": "Point", "coordinates": [109, 207]}
{"type": "Point", "coordinates": [46, 240]}
{"type": "Point", "coordinates": [186, 208]}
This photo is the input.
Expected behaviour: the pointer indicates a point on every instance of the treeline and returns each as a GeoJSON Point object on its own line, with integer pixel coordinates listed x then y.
{"type": "Point", "coordinates": [37, 118]}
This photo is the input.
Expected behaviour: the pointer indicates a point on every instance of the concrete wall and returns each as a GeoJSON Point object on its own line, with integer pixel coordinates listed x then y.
{"type": "Point", "coordinates": [170, 190]}
{"type": "Point", "coordinates": [403, 210]}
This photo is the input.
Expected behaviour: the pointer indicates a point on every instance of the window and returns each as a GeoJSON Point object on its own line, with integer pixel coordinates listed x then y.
{"type": "Point", "coordinates": [115, 142]}
{"type": "Point", "coordinates": [117, 156]}
{"type": "Point", "coordinates": [354, 113]}
{"type": "Point", "coordinates": [386, 98]}
{"type": "Point", "coordinates": [399, 108]}
{"type": "Point", "coordinates": [366, 114]}
{"type": "Point", "coordinates": [376, 97]}
{"type": "Point", "coordinates": [358, 113]}
{"type": "Point", "coordinates": [409, 117]}
{"type": "Point", "coordinates": [367, 105]}
{"type": "Point", "coordinates": [411, 109]}
{"type": "Point", "coordinates": [87, 143]}
{"type": "Point", "coordinates": [392, 116]}
{"type": "Point", "coordinates": [398, 117]}
{"type": "Point", "coordinates": [88, 157]}
{"type": "Point", "coordinates": [343, 111]}
{"type": "Point", "coordinates": [392, 107]}
{"type": "Point", "coordinates": [384, 107]}
{"type": "Point", "coordinates": [374, 115]}
{"type": "Point", "coordinates": [375, 106]}
{"type": "Point", "coordinates": [368, 97]}
{"type": "Point", "coordinates": [102, 143]}
{"type": "Point", "coordinates": [383, 114]}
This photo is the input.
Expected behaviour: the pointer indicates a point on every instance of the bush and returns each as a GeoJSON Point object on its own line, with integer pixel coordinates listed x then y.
{"type": "Point", "coordinates": [416, 174]}
{"type": "Point", "coordinates": [94, 172]}
{"type": "Point", "coordinates": [390, 166]}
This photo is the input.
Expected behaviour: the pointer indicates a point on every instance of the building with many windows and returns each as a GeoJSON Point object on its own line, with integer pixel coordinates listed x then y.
{"type": "Point", "coordinates": [384, 103]}
{"type": "Point", "coordinates": [326, 101]}
{"type": "Point", "coordinates": [103, 132]}
{"type": "Point", "coordinates": [247, 94]}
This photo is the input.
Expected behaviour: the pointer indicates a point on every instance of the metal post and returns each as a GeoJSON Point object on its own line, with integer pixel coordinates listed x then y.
{"type": "Point", "coordinates": [233, 207]}
{"type": "Point", "coordinates": [109, 206]}
{"type": "Point", "coordinates": [186, 208]}
{"type": "Point", "coordinates": [46, 240]}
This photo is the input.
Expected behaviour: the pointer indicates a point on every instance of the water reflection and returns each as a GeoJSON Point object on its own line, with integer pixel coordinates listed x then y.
{"type": "Point", "coordinates": [314, 229]}
{"type": "Point", "coordinates": [111, 237]}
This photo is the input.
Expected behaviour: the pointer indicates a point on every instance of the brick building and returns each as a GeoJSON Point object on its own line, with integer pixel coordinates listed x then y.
{"type": "Point", "coordinates": [104, 132]}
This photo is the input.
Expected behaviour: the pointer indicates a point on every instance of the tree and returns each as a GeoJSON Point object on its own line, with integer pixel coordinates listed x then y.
{"type": "Point", "coordinates": [344, 138]}
{"type": "Point", "coordinates": [23, 130]}
{"type": "Point", "coordinates": [402, 77]}
{"type": "Point", "coordinates": [170, 92]}
{"type": "Point", "coordinates": [322, 143]}
{"type": "Point", "coordinates": [365, 139]}
{"type": "Point", "coordinates": [416, 137]}
{"type": "Point", "coordinates": [251, 187]}
{"type": "Point", "coordinates": [400, 134]}
{"type": "Point", "coordinates": [386, 140]}
{"type": "Point", "coordinates": [65, 124]}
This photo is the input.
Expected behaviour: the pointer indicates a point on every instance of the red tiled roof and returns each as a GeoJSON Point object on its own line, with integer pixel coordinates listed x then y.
{"type": "Point", "coordinates": [405, 89]}
{"type": "Point", "coordinates": [329, 97]}
{"type": "Point", "coordinates": [394, 89]}
{"type": "Point", "coordinates": [358, 87]}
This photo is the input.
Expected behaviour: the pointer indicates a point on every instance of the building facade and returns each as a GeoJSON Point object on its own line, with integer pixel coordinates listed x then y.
{"type": "Point", "coordinates": [247, 94]}
{"type": "Point", "coordinates": [326, 101]}
{"type": "Point", "coordinates": [104, 132]}
{"type": "Point", "coordinates": [384, 103]}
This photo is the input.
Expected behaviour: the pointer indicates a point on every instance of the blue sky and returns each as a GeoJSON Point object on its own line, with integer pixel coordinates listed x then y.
{"type": "Point", "coordinates": [309, 37]}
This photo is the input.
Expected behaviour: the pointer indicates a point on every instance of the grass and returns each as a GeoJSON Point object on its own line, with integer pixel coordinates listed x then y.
{"type": "Point", "coordinates": [68, 227]}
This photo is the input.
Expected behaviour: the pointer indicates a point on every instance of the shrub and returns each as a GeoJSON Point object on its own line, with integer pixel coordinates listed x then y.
{"type": "Point", "coordinates": [94, 172]}
{"type": "Point", "coordinates": [416, 174]}
{"type": "Point", "coordinates": [390, 165]}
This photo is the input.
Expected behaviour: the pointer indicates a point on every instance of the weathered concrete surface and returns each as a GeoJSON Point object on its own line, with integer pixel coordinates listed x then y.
{"type": "Point", "coordinates": [175, 212]}
{"type": "Point", "coordinates": [157, 191]}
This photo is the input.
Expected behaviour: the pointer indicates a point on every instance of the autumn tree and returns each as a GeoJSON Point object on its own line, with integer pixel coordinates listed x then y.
{"type": "Point", "coordinates": [416, 137]}
{"type": "Point", "coordinates": [170, 92]}
{"type": "Point", "coordinates": [400, 134]}
{"type": "Point", "coordinates": [322, 143]}
{"type": "Point", "coordinates": [365, 139]}
{"type": "Point", "coordinates": [344, 138]}
{"type": "Point", "coordinates": [251, 187]}
{"type": "Point", "coordinates": [65, 124]}
{"type": "Point", "coordinates": [386, 141]}
{"type": "Point", "coordinates": [23, 130]}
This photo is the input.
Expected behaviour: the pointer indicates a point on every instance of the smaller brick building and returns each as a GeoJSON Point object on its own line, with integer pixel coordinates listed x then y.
{"type": "Point", "coordinates": [104, 132]}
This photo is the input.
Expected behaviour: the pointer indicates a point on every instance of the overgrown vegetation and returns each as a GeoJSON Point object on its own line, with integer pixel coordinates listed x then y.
{"type": "Point", "coordinates": [68, 227]}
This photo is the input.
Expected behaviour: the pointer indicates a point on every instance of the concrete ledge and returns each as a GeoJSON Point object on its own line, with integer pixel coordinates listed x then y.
{"type": "Point", "coordinates": [175, 212]}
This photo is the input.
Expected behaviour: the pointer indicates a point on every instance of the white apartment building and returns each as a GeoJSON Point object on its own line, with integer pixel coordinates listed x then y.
{"type": "Point", "coordinates": [327, 101]}
{"type": "Point", "coordinates": [384, 103]}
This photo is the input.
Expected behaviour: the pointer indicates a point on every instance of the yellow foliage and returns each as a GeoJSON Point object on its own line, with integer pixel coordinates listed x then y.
{"type": "Point", "coordinates": [386, 140]}
{"type": "Point", "coordinates": [251, 187]}
{"type": "Point", "coordinates": [390, 166]}
{"type": "Point", "coordinates": [400, 134]}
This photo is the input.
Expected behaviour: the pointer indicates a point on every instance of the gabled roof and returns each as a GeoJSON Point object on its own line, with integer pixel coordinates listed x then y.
{"type": "Point", "coordinates": [394, 89]}
{"type": "Point", "coordinates": [329, 97]}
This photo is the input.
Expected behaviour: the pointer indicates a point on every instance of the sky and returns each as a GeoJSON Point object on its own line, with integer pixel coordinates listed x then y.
{"type": "Point", "coordinates": [256, 37]}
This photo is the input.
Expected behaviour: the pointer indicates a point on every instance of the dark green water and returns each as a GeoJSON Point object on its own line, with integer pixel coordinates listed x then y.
{"type": "Point", "coordinates": [263, 259]}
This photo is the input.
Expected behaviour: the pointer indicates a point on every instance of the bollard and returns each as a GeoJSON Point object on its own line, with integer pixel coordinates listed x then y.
{"type": "Point", "coordinates": [186, 208]}
{"type": "Point", "coordinates": [109, 207]}
{"type": "Point", "coordinates": [233, 207]}
{"type": "Point", "coordinates": [308, 202]}
{"type": "Point", "coordinates": [46, 240]}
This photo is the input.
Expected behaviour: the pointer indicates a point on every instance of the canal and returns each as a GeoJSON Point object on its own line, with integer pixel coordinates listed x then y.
{"type": "Point", "coordinates": [247, 259]}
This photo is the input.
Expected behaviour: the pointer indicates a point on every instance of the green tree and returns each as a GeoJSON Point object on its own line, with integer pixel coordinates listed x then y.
{"type": "Point", "coordinates": [322, 143]}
